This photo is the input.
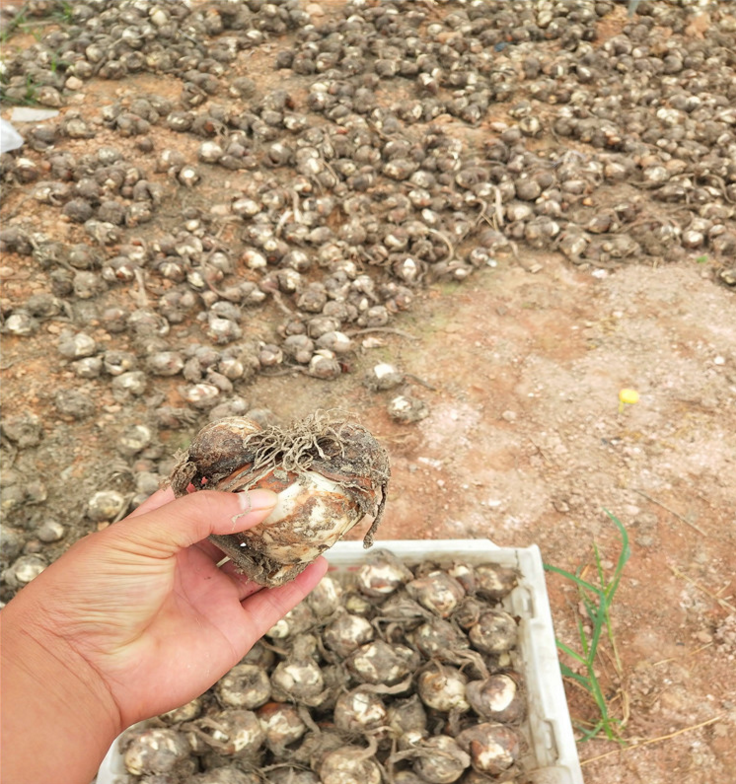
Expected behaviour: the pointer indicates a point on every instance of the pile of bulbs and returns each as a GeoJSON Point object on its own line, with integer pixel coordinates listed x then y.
{"type": "Point", "coordinates": [383, 674]}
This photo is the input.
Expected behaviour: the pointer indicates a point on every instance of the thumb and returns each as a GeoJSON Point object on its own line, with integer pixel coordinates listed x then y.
{"type": "Point", "coordinates": [185, 521]}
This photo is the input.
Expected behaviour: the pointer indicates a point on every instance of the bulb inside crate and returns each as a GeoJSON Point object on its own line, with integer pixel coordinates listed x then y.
{"type": "Point", "coordinates": [500, 726]}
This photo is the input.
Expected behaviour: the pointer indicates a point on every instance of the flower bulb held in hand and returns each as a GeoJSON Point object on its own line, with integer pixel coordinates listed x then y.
{"type": "Point", "coordinates": [132, 621]}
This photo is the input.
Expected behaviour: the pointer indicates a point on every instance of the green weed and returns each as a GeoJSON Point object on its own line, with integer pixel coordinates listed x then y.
{"type": "Point", "coordinates": [597, 597]}
{"type": "Point", "coordinates": [66, 12]}
{"type": "Point", "coordinates": [25, 96]}
{"type": "Point", "coordinates": [17, 21]}
{"type": "Point", "coordinates": [60, 14]}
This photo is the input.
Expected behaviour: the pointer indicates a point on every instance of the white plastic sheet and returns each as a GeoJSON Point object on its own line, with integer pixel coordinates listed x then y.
{"type": "Point", "coordinates": [10, 139]}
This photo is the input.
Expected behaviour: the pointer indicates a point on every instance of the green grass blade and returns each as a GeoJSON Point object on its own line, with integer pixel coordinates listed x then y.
{"type": "Point", "coordinates": [611, 589]}
{"type": "Point", "coordinates": [598, 626]}
{"type": "Point", "coordinates": [623, 557]}
{"type": "Point", "coordinates": [572, 577]}
{"type": "Point", "coordinates": [591, 608]}
{"type": "Point", "coordinates": [589, 734]}
{"type": "Point", "coordinates": [596, 602]}
{"type": "Point", "coordinates": [575, 676]}
{"type": "Point", "coordinates": [570, 652]}
{"type": "Point", "coordinates": [599, 567]}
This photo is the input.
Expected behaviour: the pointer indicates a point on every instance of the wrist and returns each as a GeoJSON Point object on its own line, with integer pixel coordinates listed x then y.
{"type": "Point", "coordinates": [52, 698]}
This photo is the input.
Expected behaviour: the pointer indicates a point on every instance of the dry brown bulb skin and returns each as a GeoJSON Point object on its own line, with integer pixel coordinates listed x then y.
{"type": "Point", "coordinates": [330, 474]}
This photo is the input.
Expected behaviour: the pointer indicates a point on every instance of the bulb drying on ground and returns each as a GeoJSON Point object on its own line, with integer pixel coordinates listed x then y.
{"type": "Point", "coordinates": [384, 376]}
{"type": "Point", "coordinates": [329, 473]}
{"type": "Point", "coordinates": [105, 505]}
{"type": "Point", "coordinates": [50, 531]}
{"type": "Point", "coordinates": [88, 367]}
{"type": "Point", "coordinates": [407, 409]}
{"type": "Point", "coordinates": [25, 430]}
{"type": "Point", "coordinates": [24, 570]}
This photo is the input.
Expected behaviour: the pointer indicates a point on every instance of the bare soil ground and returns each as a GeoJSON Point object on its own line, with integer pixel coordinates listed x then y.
{"type": "Point", "coordinates": [525, 443]}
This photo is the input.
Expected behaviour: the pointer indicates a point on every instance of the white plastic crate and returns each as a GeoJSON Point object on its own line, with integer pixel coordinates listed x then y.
{"type": "Point", "coordinates": [552, 757]}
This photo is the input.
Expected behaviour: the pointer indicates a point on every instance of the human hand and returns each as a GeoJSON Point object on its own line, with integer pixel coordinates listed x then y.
{"type": "Point", "coordinates": [141, 615]}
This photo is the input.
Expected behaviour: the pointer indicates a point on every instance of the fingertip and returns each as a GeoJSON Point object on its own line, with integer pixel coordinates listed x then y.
{"type": "Point", "coordinates": [309, 578]}
{"type": "Point", "coordinates": [322, 564]}
{"type": "Point", "coordinates": [257, 499]}
{"type": "Point", "coordinates": [160, 498]}
{"type": "Point", "coordinates": [230, 513]}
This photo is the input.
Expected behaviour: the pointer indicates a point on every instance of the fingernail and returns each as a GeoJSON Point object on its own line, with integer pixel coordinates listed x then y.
{"type": "Point", "coordinates": [257, 499]}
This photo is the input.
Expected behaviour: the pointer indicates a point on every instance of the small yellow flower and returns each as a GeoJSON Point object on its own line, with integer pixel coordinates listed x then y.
{"type": "Point", "coordinates": [627, 397]}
